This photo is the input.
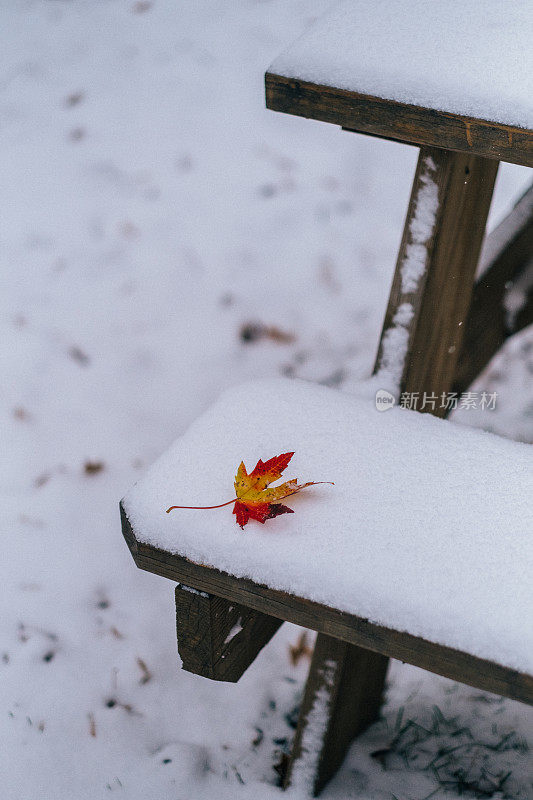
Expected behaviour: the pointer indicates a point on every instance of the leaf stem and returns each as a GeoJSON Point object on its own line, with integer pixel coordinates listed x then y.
{"type": "Point", "coordinates": [204, 508]}
{"type": "Point", "coordinates": [235, 499]}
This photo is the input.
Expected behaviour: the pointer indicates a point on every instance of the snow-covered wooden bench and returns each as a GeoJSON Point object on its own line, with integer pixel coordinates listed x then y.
{"type": "Point", "coordinates": [422, 549]}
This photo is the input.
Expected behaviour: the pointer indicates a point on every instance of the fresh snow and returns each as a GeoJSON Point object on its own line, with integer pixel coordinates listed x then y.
{"type": "Point", "coordinates": [468, 57]}
{"type": "Point", "coordinates": [396, 338]}
{"type": "Point", "coordinates": [236, 629]}
{"type": "Point", "coordinates": [394, 351]}
{"type": "Point", "coordinates": [151, 207]}
{"type": "Point", "coordinates": [193, 591]}
{"type": "Point", "coordinates": [305, 768]}
{"type": "Point", "coordinates": [517, 295]}
{"type": "Point", "coordinates": [421, 227]}
{"type": "Point", "coordinates": [427, 528]}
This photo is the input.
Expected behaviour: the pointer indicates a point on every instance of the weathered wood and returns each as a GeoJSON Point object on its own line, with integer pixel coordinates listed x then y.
{"type": "Point", "coordinates": [398, 121]}
{"type": "Point", "coordinates": [342, 698]}
{"type": "Point", "coordinates": [451, 663]}
{"type": "Point", "coordinates": [442, 238]}
{"type": "Point", "coordinates": [217, 638]}
{"type": "Point", "coordinates": [505, 259]}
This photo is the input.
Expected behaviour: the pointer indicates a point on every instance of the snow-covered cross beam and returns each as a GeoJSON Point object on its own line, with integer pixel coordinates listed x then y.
{"type": "Point", "coordinates": [502, 298]}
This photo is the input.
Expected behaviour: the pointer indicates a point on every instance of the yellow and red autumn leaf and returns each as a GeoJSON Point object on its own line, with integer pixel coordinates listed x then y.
{"type": "Point", "coordinates": [255, 498]}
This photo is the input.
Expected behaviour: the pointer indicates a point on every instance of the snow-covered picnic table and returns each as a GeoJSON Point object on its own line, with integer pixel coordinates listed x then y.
{"type": "Point", "coordinates": [421, 550]}
{"type": "Point", "coordinates": [427, 528]}
{"type": "Point", "coordinates": [456, 75]}
{"type": "Point", "coordinates": [464, 57]}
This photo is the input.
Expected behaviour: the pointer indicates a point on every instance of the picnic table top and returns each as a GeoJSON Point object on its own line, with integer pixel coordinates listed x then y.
{"type": "Point", "coordinates": [462, 69]}
{"type": "Point", "coordinates": [426, 530]}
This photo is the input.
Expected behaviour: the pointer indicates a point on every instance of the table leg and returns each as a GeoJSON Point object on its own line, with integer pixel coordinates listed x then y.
{"type": "Point", "coordinates": [342, 697]}
{"type": "Point", "coordinates": [432, 286]}
{"type": "Point", "coordinates": [506, 259]}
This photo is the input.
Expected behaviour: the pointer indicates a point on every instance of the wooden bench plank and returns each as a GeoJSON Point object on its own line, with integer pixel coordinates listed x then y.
{"type": "Point", "coordinates": [218, 638]}
{"type": "Point", "coordinates": [451, 663]}
{"type": "Point", "coordinates": [410, 124]}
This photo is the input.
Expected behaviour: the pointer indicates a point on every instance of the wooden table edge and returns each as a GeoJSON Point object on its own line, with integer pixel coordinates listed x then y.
{"type": "Point", "coordinates": [449, 662]}
{"type": "Point", "coordinates": [402, 122]}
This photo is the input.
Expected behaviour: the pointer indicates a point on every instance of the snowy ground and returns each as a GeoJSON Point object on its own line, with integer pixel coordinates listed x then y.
{"type": "Point", "coordinates": [154, 217]}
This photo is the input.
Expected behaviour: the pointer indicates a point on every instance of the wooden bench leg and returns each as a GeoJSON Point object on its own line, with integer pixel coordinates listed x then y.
{"type": "Point", "coordinates": [432, 286]}
{"type": "Point", "coordinates": [342, 697]}
{"type": "Point", "coordinates": [506, 259]}
{"type": "Point", "coordinates": [219, 639]}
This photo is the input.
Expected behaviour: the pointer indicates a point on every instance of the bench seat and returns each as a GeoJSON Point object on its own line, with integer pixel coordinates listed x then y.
{"type": "Point", "coordinates": [418, 72]}
{"type": "Point", "coordinates": [422, 550]}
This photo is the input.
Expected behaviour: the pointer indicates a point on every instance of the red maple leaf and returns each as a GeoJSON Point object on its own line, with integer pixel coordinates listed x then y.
{"type": "Point", "coordinates": [255, 498]}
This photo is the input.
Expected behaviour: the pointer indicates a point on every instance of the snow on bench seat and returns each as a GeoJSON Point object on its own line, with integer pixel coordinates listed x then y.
{"type": "Point", "coordinates": [463, 57]}
{"type": "Point", "coordinates": [428, 529]}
